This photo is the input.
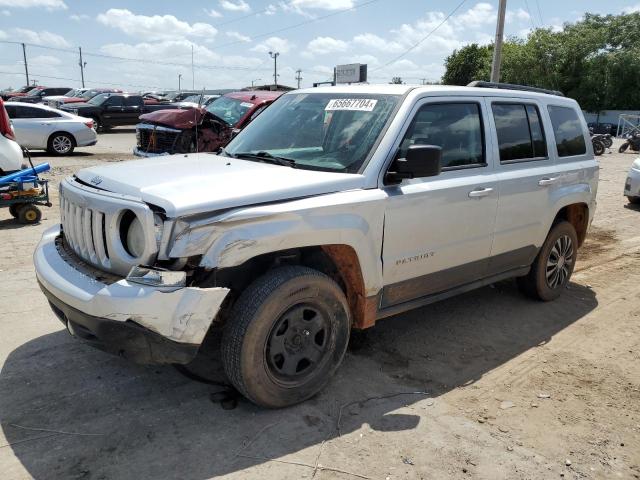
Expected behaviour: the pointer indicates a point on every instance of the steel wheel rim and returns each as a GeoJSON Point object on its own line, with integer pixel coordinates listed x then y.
{"type": "Point", "coordinates": [559, 262]}
{"type": "Point", "coordinates": [30, 215]}
{"type": "Point", "coordinates": [297, 343]}
{"type": "Point", "coordinates": [62, 144]}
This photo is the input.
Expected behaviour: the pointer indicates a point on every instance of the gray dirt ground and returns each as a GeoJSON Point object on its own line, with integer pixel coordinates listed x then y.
{"type": "Point", "coordinates": [485, 358]}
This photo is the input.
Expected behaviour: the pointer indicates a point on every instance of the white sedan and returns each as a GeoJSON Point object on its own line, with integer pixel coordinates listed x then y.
{"type": "Point", "coordinates": [40, 127]}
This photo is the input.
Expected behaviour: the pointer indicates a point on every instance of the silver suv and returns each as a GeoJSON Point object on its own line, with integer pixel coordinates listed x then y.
{"type": "Point", "coordinates": [335, 208]}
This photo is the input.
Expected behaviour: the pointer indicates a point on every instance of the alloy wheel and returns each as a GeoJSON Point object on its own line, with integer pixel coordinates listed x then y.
{"type": "Point", "coordinates": [559, 262]}
{"type": "Point", "coordinates": [62, 144]}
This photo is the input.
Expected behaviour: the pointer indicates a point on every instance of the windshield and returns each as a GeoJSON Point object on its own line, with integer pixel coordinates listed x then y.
{"type": "Point", "coordinates": [35, 92]}
{"type": "Point", "coordinates": [322, 131]}
{"type": "Point", "coordinates": [231, 110]}
{"type": "Point", "coordinates": [89, 94]}
{"type": "Point", "coordinates": [72, 93]}
{"type": "Point", "coordinates": [99, 99]}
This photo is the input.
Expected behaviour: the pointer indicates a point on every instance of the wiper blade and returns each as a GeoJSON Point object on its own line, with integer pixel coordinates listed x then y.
{"type": "Point", "coordinates": [267, 158]}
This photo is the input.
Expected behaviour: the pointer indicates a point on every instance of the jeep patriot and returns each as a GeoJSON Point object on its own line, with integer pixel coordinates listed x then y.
{"type": "Point", "coordinates": [335, 208]}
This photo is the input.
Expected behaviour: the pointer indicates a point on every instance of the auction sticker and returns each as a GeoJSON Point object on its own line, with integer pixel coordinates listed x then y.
{"type": "Point", "coordinates": [353, 104]}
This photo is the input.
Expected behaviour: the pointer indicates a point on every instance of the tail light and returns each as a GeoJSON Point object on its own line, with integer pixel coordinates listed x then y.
{"type": "Point", "coordinates": [89, 124]}
{"type": "Point", "coordinates": [6, 130]}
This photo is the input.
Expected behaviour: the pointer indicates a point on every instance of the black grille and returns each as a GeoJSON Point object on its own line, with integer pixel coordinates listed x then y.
{"type": "Point", "coordinates": [157, 141]}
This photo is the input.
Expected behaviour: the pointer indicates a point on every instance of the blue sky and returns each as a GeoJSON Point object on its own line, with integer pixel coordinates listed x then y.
{"type": "Point", "coordinates": [231, 38]}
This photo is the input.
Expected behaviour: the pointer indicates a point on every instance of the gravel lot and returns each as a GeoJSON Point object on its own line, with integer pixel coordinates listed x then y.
{"type": "Point", "coordinates": [515, 388]}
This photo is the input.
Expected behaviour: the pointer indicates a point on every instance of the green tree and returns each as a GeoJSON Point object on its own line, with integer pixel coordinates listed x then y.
{"type": "Point", "coordinates": [471, 62]}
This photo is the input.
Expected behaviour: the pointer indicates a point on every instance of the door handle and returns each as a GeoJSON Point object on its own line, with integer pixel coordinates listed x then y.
{"type": "Point", "coordinates": [546, 181]}
{"type": "Point", "coordinates": [480, 192]}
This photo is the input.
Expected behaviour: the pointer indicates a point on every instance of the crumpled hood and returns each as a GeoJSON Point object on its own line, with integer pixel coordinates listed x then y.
{"type": "Point", "coordinates": [196, 183]}
{"type": "Point", "coordinates": [175, 118]}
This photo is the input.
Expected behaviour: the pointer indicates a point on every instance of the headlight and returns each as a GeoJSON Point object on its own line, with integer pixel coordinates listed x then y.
{"type": "Point", "coordinates": [132, 234]}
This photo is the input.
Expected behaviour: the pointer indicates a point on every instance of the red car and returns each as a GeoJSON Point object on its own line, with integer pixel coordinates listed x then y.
{"type": "Point", "coordinates": [165, 132]}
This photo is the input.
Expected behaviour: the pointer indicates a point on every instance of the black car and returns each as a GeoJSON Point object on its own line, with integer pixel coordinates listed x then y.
{"type": "Point", "coordinates": [113, 109]}
{"type": "Point", "coordinates": [37, 94]}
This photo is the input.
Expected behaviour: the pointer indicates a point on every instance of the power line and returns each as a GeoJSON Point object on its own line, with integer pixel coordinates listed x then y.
{"type": "Point", "coordinates": [415, 45]}
{"type": "Point", "coordinates": [75, 80]}
{"type": "Point", "coordinates": [531, 19]}
{"type": "Point", "coordinates": [540, 13]}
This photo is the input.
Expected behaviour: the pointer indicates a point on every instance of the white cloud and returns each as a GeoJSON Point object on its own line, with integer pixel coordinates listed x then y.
{"type": "Point", "coordinates": [48, 4]}
{"type": "Point", "coordinates": [235, 5]}
{"type": "Point", "coordinates": [5, 13]}
{"type": "Point", "coordinates": [271, 9]}
{"type": "Point", "coordinates": [45, 61]}
{"type": "Point", "coordinates": [3, 35]}
{"type": "Point", "coordinates": [480, 14]}
{"type": "Point", "coordinates": [325, 45]}
{"type": "Point", "coordinates": [373, 41]}
{"type": "Point", "coordinates": [79, 18]}
{"type": "Point", "coordinates": [321, 4]}
{"type": "Point", "coordinates": [212, 13]}
{"type": "Point", "coordinates": [273, 44]}
{"type": "Point", "coordinates": [238, 36]}
{"type": "Point", "coordinates": [40, 38]}
{"type": "Point", "coordinates": [632, 9]}
{"type": "Point", "coordinates": [518, 14]}
{"type": "Point", "coordinates": [156, 27]}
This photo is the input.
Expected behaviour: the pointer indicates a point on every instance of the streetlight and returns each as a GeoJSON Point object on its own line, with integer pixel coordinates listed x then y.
{"type": "Point", "coordinates": [253, 81]}
{"type": "Point", "coordinates": [275, 56]}
{"type": "Point", "coordinates": [179, 78]}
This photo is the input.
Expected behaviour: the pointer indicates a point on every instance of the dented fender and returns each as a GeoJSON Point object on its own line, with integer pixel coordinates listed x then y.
{"type": "Point", "coordinates": [353, 218]}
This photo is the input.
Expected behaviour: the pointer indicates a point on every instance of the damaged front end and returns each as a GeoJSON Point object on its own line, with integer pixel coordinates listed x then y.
{"type": "Point", "coordinates": [169, 132]}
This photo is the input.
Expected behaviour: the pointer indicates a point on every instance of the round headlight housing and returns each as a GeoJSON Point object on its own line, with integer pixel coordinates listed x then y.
{"type": "Point", "coordinates": [132, 234]}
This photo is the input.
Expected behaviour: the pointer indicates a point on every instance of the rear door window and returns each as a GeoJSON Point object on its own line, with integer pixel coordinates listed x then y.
{"type": "Point", "coordinates": [520, 132]}
{"type": "Point", "coordinates": [567, 129]}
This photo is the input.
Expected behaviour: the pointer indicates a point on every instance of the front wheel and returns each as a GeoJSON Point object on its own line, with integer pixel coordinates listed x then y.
{"type": "Point", "coordinates": [286, 336]}
{"type": "Point", "coordinates": [623, 147]}
{"type": "Point", "coordinates": [554, 264]}
{"type": "Point", "coordinates": [29, 214]}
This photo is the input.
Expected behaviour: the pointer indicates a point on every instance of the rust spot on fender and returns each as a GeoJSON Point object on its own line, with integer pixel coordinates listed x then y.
{"type": "Point", "coordinates": [363, 309]}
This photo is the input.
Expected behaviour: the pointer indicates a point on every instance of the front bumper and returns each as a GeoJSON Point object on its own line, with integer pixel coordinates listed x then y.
{"type": "Point", "coordinates": [141, 153]}
{"type": "Point", "coordinates": [632, 184]}
{"type": "Point", "coordinates": [147, 324]}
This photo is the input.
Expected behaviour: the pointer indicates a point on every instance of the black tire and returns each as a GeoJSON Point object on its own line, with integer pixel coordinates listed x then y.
{"type": "Point", "coordinates": [14, 209]}
{"type": "Point", "coordinates": [537, 284]}
{"type": "Point", "coordinates": [96, 125]}
{"type": "Point", "coordinates": [598, 147]}
{"type": "Point", "coordinates": [278, 313]}
{"type": "Point", "coordinates": [623, 147]}
{"type": "Point", "coordinates": [29, 214]}
{"type": "Point", "coordinates": [608, 142]}
{"type": "Point", "coordinates": [634, 200]}
{"type": "Point", "coordinates": [61, 143]}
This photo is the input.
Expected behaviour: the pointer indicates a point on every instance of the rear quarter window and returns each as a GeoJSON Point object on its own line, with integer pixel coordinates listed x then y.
{"type": "Point", "coordinates": [567, 130]}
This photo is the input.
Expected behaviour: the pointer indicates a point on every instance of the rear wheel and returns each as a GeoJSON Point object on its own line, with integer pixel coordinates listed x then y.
{"type": "Point", "coordinates": [623, 147]}
{"type": "Point", "coordinates": [286, 336]}
{"type": "Point", "coordinates": [29, 214]}
{"type": "Point", "coordinates": [598, 147]}
{"type": "Point", "coordinates": [14, 209]}
{"type": "Point", "coordinates": [61, 144]}
{"type": "Point", "coordinates": [552, 268]}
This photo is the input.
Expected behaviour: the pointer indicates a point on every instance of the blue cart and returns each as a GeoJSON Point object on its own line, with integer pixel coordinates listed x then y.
{"type": "Point", "coordinates": [23, 191]}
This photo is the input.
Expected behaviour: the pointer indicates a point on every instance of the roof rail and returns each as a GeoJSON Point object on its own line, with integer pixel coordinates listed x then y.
{"type": "Point", "coordinates": [512, 86]}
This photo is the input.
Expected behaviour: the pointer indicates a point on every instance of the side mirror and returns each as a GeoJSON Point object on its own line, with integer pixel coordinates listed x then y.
{"type": "Point", "coordinates": [420, 161]}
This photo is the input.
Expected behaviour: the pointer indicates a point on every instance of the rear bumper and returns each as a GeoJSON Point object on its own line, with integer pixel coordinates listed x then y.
{"type": "Point", "coordinates": [122, 316]}
{"type": "Point", "coordinates": [126, 339]}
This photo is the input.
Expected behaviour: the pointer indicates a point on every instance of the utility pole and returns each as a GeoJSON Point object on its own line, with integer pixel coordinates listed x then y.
{"type": "Point", "coordinates": [299, 76]}
{"type": "Point", "coordinates": [253, 81]}
{"type": "Point", "coordinates": [275, 55]}
{"type": "Point", "coordinates": [497, 48]}
{"type": "Point", "coordinates": [82, 65]}
{"type": "Point", "coordinates": [26, 67]}
{"type": "Point", "coordinates": [423, 81]}
{"type": "Point", "coordinates": [193, 75]}
{"type": "Point", "coordinates": [179, 78]}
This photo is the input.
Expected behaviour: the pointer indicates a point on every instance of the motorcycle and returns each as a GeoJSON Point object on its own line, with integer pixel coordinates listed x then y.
{"type": "Point", "coordinates": [598, 145]}
{"type": "Point", "coordinates": [632, 141]}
